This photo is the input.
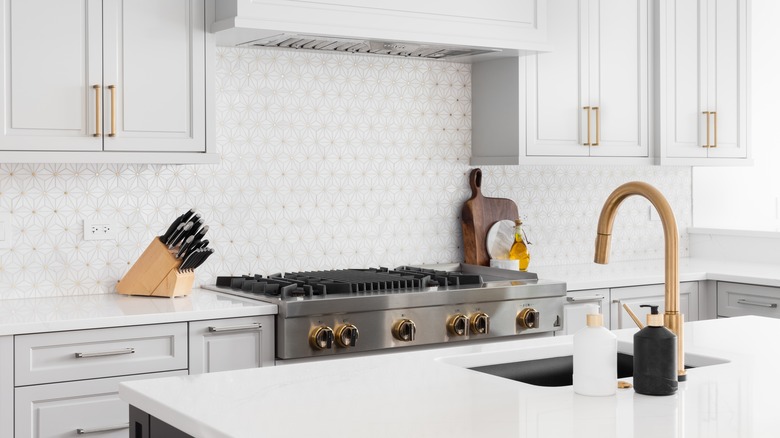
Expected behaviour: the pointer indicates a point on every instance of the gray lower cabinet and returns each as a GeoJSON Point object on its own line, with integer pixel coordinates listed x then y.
{"type": "Point", "coordinates": [66, 383]}
{"type": "Point", "coordinates": [90, 407]}
{"type": "Point", "coordinates": [231, 344]}
{"type": "Point", "coordinates": [653, 295]}
{"type": "Point", "coordinates": [737, 299]}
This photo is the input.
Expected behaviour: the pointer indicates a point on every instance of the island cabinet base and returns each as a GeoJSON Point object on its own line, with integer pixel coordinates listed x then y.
{"type": "Point", "coordinates": [143, 425]}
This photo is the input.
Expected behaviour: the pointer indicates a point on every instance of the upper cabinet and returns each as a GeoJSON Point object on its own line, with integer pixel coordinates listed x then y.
{"type": "Point", "coordinates": [703, 82]}
{"type": "Point", "coordinates": [506, 24]}
{"type": "Point", "coordinates": [588, 97]}
{"type": "Point", "coordinates": [106, 81]}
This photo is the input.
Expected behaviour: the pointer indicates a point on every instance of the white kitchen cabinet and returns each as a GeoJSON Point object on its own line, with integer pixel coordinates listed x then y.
{"type": "Point", "coordinates": [511, 24]}
{"type": "Point", "coordinates": [89, 354]}
{"type": "Point", "coordinates": [588, 97]}
{"type": "Point", "coordinates": [6, 386]}
{"type": "Point", "coordinates": [231, 344]}
{"type": "Point", "coordinates": [127, 79]}
{"type": "Point", "coordinates": [579, 304]}
{"type": "Point", "coordinates": [703, 82]}
{"type": "Point", "coordinates": [91, 407]}
{"type": "Point", "coordinates": [736, 299]}
{"type": "Point", "coordinates": [652, 295]}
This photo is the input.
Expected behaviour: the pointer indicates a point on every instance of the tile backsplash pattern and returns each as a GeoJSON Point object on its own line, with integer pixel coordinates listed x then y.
{"type": "Point", "coordinates": [327, 161]}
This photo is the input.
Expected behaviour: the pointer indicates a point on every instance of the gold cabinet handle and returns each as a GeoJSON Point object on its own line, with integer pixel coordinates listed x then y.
{"type": "Point", "coordinates": [112, 88]}
{"type": "Point", "coordinates": [97, 111]}
{"type": "Point", "coordinates": [707, 115]}
{"type": "Point", "coordinates": [714, 128]}
{"type": "Point", "coordinates": [598, 125]}
{"type": "Point", "coordinates": [587, 109]}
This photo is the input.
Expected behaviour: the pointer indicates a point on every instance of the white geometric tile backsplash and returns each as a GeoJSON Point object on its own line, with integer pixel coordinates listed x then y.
{"type": "Point", "coordinates": [328, 161]}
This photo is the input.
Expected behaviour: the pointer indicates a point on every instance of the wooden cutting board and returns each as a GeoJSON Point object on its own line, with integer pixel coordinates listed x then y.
{"type": "Point", "coordinates": [478, 215]}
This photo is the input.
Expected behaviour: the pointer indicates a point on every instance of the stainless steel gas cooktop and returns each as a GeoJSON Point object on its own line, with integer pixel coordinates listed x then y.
{"type": "Point", "coordinates": [345, 311]}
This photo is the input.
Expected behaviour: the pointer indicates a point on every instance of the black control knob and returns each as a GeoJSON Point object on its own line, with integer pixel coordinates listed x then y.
{"type": "Point", "coordinates": [346, 335]}
{"type": "Point", "coordinates": [321, 338]}
{"type": "Point", "coordinates": [528, 318]}
{"type": "Point", "coordinates": [457, 325]}
{"type": "Point", "coordinates": [480, 323]}
{"type": "Point", "coordinates": [404, 330]}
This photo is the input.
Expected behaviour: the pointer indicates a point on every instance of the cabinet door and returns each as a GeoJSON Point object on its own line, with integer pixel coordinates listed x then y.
{"type": "Point", "coordinates": [231, 344]}
{"type": "Point", "coordinates": [154, 60]}
{"type": "Point", "coordinates": [6, 386]}
{"type": "Point", "coordinates": [52, 58]}
{"type": "Point", "coordinates": [92, 407]}
{"type": "Point", "coordinates": [557, 84]}
{"type": "Point", "coordinates": [652, 295]}
{"type": "Point", "coordinates": [618, 79]}
{"type": "Point", "coordinates": [736, 299]}
{"type": "Point", "coordinates": [727, 77]}
{"type": "Point", "coordinates": [579, 304]}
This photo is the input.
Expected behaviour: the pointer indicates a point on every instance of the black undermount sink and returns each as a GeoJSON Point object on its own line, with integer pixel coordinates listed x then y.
{"type": "Point", "coordinates": [552, 371]}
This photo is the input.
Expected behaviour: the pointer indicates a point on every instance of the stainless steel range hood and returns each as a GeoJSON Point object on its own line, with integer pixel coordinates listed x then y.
{"type": "Point", "coordinates": [371, 47]}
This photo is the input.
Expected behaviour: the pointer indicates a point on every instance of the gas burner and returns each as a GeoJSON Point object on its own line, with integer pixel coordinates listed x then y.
{"type": "Point", "coordinates": [347, 281]}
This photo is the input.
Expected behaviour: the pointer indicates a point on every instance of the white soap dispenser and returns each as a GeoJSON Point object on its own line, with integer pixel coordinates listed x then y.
{"type": "Point", "coordinates": [595, 359]}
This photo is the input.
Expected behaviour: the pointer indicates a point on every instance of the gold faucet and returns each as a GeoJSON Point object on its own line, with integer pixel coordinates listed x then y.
{"type": "Point", "coordinates": [673, 320]}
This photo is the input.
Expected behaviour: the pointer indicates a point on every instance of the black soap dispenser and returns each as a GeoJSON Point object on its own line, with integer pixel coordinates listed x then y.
{"type": "Point", "coordinates": [655, 357]}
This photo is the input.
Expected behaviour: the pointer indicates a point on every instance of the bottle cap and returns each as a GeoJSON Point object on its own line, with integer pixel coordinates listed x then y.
{"type": "Point", "coordinates": [653, 318]}
{"type": "Point", "coordinates": [594, 320]}
{"type": "Point", "coordinates": [518, 222]}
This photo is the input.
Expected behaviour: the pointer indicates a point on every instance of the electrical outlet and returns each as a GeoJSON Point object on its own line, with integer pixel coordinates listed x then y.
{"type": "Point", "coordinates": [99, 229]}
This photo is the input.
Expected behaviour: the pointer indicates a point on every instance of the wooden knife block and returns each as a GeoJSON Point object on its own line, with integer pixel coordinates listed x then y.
{"type": "Point", "coordinates": [156, 273]}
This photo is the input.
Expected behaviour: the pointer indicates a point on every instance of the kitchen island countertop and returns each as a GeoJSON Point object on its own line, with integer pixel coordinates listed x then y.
{"type": "Point", "coordinates": [431, 393]}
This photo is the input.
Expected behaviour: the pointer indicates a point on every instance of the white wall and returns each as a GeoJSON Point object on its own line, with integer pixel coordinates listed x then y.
{"type": "Point", "coordinates": [747, 197]}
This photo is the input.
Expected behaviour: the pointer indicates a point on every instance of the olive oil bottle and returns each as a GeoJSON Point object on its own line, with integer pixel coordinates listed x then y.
{"type": "Point", "coordinates": [519, 250]}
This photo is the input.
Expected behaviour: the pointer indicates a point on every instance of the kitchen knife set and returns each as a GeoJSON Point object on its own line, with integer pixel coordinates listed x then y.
{"type": "Point", "coordinates": [187, 233]}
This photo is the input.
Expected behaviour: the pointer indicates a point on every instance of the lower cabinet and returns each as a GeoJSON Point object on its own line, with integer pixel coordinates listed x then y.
{"type": "Point", "coordinates": [736, 299]}
{"type": "Point", "coordinates": [90, 407]}
{"type": "Point", "coordinates": [579, 304]}
{"type": "Point", "coordinates": [65, 384]}
{"type": "Point", "coordinates": [231, 344]}
{"type": "Point", "coordinates": [653, 295]}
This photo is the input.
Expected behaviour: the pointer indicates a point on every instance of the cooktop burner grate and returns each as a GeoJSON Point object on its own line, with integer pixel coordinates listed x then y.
{"type": "Point", "coordinates": [347, 281]}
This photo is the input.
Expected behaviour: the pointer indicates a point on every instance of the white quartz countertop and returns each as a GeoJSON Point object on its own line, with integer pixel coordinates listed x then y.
{"type": "Point", "coordinates": [635, 273]}
{"type": "Point", "coordinates": [430, 393]}
{"type": "Point", "coordinates": [33, 315]}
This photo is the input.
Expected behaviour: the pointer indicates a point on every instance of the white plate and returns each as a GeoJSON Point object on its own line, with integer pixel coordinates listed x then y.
{"type": "Point", "coordinates": [500, 238]}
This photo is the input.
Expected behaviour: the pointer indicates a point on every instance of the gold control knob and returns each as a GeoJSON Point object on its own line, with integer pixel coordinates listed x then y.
{"type": "Point", "coordinates": [480, 323]}
{"type": "Point", "coordinates": [321, 338]}
{"type": "Point", "coordinates": [404, 330]}
{"type": "Point", "coordinates": [528, 318]}
{"type": "Point", "coordinates": [346, 335]}
{"type": "Point", "coordinates": [457, 325]}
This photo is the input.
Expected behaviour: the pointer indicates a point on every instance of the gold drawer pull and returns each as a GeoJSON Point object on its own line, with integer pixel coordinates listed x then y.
{"type": "Point", "coordinates": [234, 328]}
{"type": "Point", "coordinates": [598, 125]}
{"type": "Point", "coordinates": [102, 429]}
{"type": "Point", "coordinates": [587, 109]}
{"type": "Point", "coordinates": [715, 127]}
{"type": "Point", "coordinates": [106, 353]}
{"type": "Point", "coordinates": [112, 88]}
{"type": "Point", "coordinates": [97, 111]}
{"type": "Point", "coordinates": [756, 303]}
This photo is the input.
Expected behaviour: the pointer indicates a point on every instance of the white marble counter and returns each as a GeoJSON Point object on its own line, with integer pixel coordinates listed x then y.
{"type": "Point", "coordinates": [430, 393]}
{"type": "Point", "coordinates": [635, 273]}
{"type": "Point", "coordinates": [32, 315]}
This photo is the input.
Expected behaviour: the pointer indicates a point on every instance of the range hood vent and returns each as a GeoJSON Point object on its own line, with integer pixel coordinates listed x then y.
{"type": "Point", "coordinates": [370, 47]}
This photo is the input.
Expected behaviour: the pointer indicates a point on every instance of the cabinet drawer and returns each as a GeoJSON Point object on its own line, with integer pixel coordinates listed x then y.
{"type": "Point", "coordinates": [735, 299]}
{"type": "Point", "coordinates": [231, 344]}
{"type": "Point", "coordinates": [90, 354]}
{"type": "Point", "coordinates": [62, 409]}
